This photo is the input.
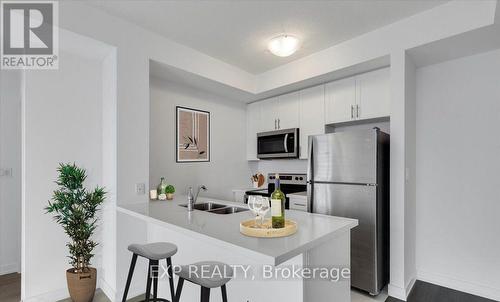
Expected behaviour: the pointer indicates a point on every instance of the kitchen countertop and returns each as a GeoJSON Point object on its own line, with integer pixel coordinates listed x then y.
{"type": "Point", "coordinates": [314, 229]}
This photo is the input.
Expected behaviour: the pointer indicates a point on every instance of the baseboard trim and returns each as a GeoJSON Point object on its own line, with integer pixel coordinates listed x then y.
{"type": "Point", "coordinates": [9, 268]}
{"type": "Point", "coordinates": [107, 290]}
{"type": "Point", "coordinates": [409, 286]}
{"type": "Point", "coordinates": [396, 292]}
{"type": "Point", "coordinates": [49, 296]}
{"type": "Point", "coordinates": [460, 285]}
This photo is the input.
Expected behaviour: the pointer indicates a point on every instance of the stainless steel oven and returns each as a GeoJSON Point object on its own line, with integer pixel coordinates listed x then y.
{"type": "Point", "coordinates": [278, 144]}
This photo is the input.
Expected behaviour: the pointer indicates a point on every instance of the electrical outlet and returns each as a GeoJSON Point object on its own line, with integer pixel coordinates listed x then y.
{"type": "Point", "coordinates": [140, 188]}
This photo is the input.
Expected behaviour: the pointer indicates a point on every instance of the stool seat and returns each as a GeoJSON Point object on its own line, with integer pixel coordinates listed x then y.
{"type": "Point", "coordinates": [154, 251]}
{"type": "Point", "coordinates": [208, 274]}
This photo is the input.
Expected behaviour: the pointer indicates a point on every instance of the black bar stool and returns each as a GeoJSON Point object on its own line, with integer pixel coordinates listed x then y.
{"type": "Point", "coordinates": [209, 274]}
{"type": "Point", "coordinates": [154, 252]}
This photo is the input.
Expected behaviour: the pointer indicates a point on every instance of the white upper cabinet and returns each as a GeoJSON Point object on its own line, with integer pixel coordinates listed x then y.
{"type": "Point", "coordinates": [288, 113]}
{"type": "Point", "coordinates": [340, 100]}
{"type": "Point", "coordinates": [312, 116]}
{"type": "Point", "coordinates": [365, 96]}
{"type": "Point", "coordinates": [373, 94]}
{"type": "Point", "coordinates": [253, 127]}
{"type": "Point", "coordinates": [269, 113]}
{"type": "Point", "coordinates": [280, 112]}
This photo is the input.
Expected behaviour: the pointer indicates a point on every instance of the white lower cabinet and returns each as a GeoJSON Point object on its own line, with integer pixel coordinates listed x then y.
{"type": "Point", "coordinates": [298, 202]}
{"type": "Point", "coordinates": [312, 116]}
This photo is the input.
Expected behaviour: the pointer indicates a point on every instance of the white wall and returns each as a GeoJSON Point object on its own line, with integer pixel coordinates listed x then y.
{"type": "Point", "coordinates": [410, 173]}
{"type": "Point", "coordinates": [458, 159]}
{"type": "Point", "coordinates": [10, 158]}
{"type": "Point", "coordinates": [227, 169]}
{"type": "Point", "coordinates": [62, 123]}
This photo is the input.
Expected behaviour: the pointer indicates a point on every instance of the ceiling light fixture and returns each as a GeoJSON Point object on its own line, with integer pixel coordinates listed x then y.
{"type": "Point", "coordinates": [283, 45]}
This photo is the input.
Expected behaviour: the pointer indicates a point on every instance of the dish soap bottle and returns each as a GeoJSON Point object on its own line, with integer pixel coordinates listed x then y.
{"type": "Point", "coordinates": [277, 205]}
{"type": "Point", "coordinates": [162, 194]}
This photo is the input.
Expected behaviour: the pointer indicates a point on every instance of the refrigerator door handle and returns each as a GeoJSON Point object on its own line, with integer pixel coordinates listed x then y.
{"type": "Point", "coordinates": [309, 196]}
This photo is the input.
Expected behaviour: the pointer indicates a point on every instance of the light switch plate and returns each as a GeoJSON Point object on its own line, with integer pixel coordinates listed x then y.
{"type": "Point", "coordinates": [140, 188]}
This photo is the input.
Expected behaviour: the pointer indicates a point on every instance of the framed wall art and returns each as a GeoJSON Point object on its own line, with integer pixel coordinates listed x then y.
{"type": "Point", "coordinates": [193, 135]}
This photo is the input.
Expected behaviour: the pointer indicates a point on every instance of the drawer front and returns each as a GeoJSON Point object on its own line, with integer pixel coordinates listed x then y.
{"type": "Point", "coordinates": [299, 204]}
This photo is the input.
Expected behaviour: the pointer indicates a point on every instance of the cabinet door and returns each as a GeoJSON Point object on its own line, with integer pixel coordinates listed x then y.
{"type": "Point", "coordinates": [269, 114]}
{"type": "Point", "coordinates": [340, 100]}
{"type": "Point", "coordinates": [312, 116]}
{"type": "Point", "coordinates": [288, 113]}
{"type": "Point", "coordinates": [253, 127]}
{"type": "Point", "coordinates": [374, 94]}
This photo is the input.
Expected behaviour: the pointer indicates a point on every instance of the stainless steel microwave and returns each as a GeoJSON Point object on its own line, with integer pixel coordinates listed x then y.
{"type": "Point", "coordinates": [278, 144]}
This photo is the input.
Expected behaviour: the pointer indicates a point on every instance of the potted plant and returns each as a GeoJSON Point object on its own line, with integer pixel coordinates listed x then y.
{"type": "Point", "coordinates": [74, 208]}
{"type": "Point", "coordinates": [170, 190]}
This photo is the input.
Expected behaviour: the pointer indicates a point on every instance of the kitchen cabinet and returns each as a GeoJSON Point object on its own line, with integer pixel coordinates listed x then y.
{"type": "Point", "coordinates": [373, 94]}
{"type": "Point", "coordinates": [288, 113]}
{"type": "Point", "coordinates": [312, 116]}
{"type": "Point", "coordinates": [280, 112]}
{"type": "Point", "coordinates": [340, 100]}
{"type": "Point", "coordinates": [298, 202]}
{"type": "Point", "coordinates": [364, 96]}
{"type": "Point", "coordinates": [253, 127]}
{"type": "Point", "coordinates": [269, 109]}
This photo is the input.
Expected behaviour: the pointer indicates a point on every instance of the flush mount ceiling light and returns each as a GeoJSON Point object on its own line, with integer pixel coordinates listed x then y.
{"type": "Point", "coordinates": [283, 45]}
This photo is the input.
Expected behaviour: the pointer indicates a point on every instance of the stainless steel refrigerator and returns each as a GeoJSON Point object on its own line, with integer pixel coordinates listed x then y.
{"type": "Point", "coordinates": [348, 176]}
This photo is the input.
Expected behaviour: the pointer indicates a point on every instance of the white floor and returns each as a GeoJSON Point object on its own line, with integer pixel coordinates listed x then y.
{"type": "Point", "coordinates": [359, 296]}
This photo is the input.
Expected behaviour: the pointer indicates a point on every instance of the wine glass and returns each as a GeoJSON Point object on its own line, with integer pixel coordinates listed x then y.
{"type": "Point", "coordinates": [264, 209]}
{"type": "Point", "coordinates": [255, 204]}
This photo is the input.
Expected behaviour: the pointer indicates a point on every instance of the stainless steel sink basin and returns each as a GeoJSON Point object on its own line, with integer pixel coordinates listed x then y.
{"type": "Point", "coordinates": [228, 210]}
{"type": "Point", "coordinates": [205, 206]}
{"type": "Point", "coordinates": [216, 208]}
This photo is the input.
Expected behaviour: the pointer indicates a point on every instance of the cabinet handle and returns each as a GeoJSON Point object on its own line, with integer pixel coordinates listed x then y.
{"type": "Point", "coordinates": [357, 111]}
{"type": "Point", "coordinates": [352, 111]}
{"type": "Point", "coordinates": [275, 127]}
{"type": "Point", "coordinates": [279, 127]}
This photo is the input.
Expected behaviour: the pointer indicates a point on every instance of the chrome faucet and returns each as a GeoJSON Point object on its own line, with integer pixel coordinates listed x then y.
{"type": "Point", "coordinates": [193, 198]}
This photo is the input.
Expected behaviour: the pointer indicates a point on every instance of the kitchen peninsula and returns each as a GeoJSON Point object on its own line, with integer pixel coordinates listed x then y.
{"type": "Point", "coordinates": [320, 242]}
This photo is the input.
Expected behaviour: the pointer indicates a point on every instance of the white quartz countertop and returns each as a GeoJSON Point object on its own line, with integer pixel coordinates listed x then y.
{"type": "Point", "coordinates": [313, 229]}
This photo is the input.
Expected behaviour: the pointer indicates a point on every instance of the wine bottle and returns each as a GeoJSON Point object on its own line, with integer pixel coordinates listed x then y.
{"type": "Point", "coordinates": [162, 194]}
{"type": "Point", "coordinates": [277, 205]}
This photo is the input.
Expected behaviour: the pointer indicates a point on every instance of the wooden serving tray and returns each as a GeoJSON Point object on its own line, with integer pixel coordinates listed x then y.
{"type": "Point", "coordinates": [250, 228]}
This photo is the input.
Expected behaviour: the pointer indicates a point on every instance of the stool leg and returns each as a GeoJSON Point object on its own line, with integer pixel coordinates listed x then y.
{"type": "Point", "coordinates": [179, 289]}
{"type": "Point", "coordinates": [171, 278]}
{"type": "Point", "coordinates": [129, 278]}
{"type": "Point", "coordinates": [148, 284]}
{"type": "Point", "coordinates": [205, 294]}
{"type": "Point", "coordinates": [224, 293]}
{"type": "Point", "coordinates": [155, 280]}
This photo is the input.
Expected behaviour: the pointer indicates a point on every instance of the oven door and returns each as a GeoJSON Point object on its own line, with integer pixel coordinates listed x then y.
{"type": "Point", "coordinates": [278, 144]}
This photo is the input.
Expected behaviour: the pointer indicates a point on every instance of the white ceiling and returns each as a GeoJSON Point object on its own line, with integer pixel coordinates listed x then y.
{"type": "Point", "coordinates": [237, 32]}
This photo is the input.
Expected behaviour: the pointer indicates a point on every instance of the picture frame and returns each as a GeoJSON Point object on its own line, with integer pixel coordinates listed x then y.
{"type": "Point", "coordinates": [192, 135]}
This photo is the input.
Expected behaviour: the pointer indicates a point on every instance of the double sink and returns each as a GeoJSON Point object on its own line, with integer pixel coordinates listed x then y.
{"type": "Point", "coordinates": [216, 208]}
